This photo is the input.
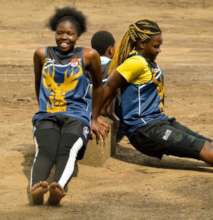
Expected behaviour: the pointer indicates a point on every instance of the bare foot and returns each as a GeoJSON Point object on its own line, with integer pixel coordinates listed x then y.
{"type": "Point", "coordinates": [37, 192]}
{"type": "Point", "coordinates": [56, 194]}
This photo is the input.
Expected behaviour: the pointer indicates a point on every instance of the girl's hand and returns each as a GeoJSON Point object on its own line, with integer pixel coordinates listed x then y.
{"type": "Point", "coordinates": [100, 129]}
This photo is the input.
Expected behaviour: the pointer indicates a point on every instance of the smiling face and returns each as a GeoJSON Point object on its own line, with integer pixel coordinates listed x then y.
{"type": "Point", "coordinates": [66, 36]}
{"type": "Point", "coordinates": [151, 48]}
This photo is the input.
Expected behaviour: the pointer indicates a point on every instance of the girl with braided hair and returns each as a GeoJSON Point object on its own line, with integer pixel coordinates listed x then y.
{"type": "Point", "coordinates": [63, 121]}
{"type": "Point", "coordinates": [141, 83]}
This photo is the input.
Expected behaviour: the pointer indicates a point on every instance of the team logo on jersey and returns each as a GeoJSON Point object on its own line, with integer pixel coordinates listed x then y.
{"type": "Point", "coordinates": [58, 90]}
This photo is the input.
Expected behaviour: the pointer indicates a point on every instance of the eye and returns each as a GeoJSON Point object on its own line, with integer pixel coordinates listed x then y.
{"type": "Point", "coordinates": [157, 46]}
{"type": "Point", "coordinates": [59, 32]}
{"type": "Point", "coordinates": [71, 33]}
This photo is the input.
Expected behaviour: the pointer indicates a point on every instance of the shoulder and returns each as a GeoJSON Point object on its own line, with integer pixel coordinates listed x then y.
{"type": "Point", "coordinates": [133, 67]}
{"type": "Point", "coordinates": [40, 53]}
{"type": "Point", "coordinates": [136, 60]}
{"type": "Point", "coordinates": [90, 53]}
{"type": "Point", "coordinates": [134, 63]}
{"type": "Point", "coordinates": [90, 56]}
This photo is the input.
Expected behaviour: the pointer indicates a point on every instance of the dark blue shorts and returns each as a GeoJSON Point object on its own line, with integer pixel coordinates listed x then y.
{"type": "Point", "coordinates": [168, 137]}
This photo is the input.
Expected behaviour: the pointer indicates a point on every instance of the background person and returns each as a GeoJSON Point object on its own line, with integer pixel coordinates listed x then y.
{"type": "Point", "coordinates": [104, 43]}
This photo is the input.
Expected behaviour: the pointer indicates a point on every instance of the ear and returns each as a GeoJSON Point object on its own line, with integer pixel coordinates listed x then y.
{"type": "Point", "coordinates": [110, 51]}
{"type": "Point", "coordinates": [140, 45]}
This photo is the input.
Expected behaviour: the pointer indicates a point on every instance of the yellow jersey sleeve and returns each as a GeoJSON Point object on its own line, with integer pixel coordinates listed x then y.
{"type": "Point", "coordinates": [135, 70]}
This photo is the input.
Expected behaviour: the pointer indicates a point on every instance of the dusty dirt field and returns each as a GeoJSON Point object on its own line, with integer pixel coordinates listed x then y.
{"type": "Point", "coordinates": [129, 186]}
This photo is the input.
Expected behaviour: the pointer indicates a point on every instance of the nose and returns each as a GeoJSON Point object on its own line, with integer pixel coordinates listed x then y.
{"type": "Point", "coordinates": [158, 50]}
{"type": "Point", "coordinates": [64, 36]}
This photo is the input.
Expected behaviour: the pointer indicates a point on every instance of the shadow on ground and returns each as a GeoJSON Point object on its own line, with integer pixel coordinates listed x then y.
{"type": "Point", "coordinates": [131, 155]}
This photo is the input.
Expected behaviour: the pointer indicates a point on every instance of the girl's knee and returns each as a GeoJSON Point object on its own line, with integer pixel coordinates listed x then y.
{"type": "Point", "coordinates": [206, 153]}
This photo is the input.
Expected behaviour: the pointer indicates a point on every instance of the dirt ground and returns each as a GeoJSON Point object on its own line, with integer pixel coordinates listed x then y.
{"type": "Point", "coordinates": [130, 186]}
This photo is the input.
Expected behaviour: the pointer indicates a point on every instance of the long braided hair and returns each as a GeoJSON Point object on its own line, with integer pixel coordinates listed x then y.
{"type": "Point", "coordinates": [140, 30]}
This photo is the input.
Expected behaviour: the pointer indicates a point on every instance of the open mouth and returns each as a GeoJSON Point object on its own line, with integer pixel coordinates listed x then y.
{"type": "Point", "coordinates": [64, 45]}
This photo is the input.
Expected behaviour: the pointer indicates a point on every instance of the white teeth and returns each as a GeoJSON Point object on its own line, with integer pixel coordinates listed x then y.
{"type": "Point", "coordinates": [64, 44]}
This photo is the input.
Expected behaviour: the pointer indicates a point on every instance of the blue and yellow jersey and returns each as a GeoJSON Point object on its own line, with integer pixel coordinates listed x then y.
{"type": "Point", "coordinates": [142, 99]}
{"type": "Point", "coordinates": [64, 88]}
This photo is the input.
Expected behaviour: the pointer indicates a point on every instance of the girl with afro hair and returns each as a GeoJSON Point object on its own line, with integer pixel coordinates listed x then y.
{"type": "Point", "coordinates": [63, 122]}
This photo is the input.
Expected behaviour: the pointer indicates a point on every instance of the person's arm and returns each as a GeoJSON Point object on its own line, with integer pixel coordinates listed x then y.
{"type": "Point", "coordinates": [38, 61]}
{"type": "Point", "coordinates": [109, 91]}
{"type": "Point", "coordinates": [93, 64]}
{"type": "Point", "coordinates": [128, 72]}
